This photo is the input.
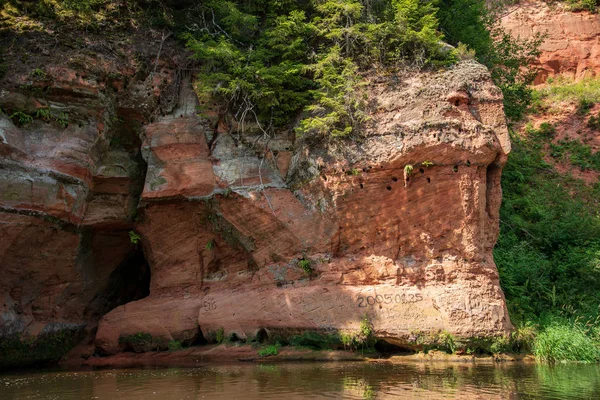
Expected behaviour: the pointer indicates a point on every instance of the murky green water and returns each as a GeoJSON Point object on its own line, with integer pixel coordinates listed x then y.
{"type": "Point", "coordinates": [313, 380]}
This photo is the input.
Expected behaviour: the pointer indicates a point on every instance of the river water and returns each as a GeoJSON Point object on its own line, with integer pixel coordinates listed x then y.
{"type": "Point", "coordinates": [287, 381]}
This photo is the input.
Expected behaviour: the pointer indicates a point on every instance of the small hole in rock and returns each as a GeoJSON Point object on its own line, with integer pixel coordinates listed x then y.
{"type": "Point", "coordinates": [421, 170]}
{"type": "Point", "coordinates": [364, 170]}
{"type": "Point", "coordinates": [388, 187]}
{"type": "Point", "coordinates": [456, 103]}
{"type": "Point", "coordinates": [361, 186]}
{"type": "Point", "coordinates": [407, 179]}
{"type": "Point", "coordinates": [468, 163]}
{"type": "Point", "coordinates": [428, 180]}
{"type": "Point", "coordinates": [455, 169]}
{"type": "Point", "coordinates": [395, 179]}
{"type": "Point", "coordinates": [324, 178]}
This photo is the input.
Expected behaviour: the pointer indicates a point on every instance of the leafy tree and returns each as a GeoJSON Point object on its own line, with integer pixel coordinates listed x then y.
{"type": "Point", "coordinates": [266, 61]}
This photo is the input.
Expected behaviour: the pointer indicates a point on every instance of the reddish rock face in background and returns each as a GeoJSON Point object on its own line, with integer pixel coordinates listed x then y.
{"type": "Point", "coordinates": [572, 45]}
{"type": "Point", "coordinates": [243, 232]}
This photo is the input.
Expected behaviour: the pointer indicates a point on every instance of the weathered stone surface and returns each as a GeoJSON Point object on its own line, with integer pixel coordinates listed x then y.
{"type": "Point", "coordinates": [410, 251]}
{"type": "Point", "coordinates": [572, 45]}
{"type": "Point", "coordinates": [71, 175]}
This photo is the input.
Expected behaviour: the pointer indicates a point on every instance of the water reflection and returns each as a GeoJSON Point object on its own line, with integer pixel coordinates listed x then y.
{"type": "Point", "coordinates": [313, 380]}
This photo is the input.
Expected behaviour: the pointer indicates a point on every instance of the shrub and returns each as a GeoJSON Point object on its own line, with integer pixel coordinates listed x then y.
{"type": "Point", "coordinates": [21, 118]}
{"type": "Point", "coordinates": [220, 335]}
{"type": "Point", "coordinates": [270, 350]}
{"type": "Point", "coordinates": [134, 237]}
{"type": "Point", "coordinates": [584, 106]}
{"type": "Point", "coordinates": [594, 122]}
{"type": "Point", "coordinates": [306, 266]}
{"type": "Point", "coordinates": [139, 342]}
{"type": "Point", "coordinates": [563, 342]}
{"type": "Point", "coordinates": [316, 340]}
{"type": "Point", "coordinates": [175, 345]}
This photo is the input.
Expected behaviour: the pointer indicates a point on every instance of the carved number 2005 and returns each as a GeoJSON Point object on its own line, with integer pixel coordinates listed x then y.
{"type": "Point", "coordinates": [388, 299]}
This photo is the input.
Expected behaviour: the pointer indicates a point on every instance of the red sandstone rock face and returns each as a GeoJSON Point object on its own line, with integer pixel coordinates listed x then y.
{"type": "Point", "coordinates": [572, 45]}
{"type": "Point", "coordinates": [68, 193]}
{"type": "Point", "coordinates": [225, 227]}
{"type": "Point", "coordinates": [225, 219]}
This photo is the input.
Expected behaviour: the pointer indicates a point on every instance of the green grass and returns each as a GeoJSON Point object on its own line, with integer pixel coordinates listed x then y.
{"type": "Point", "coordinates": [560, 89]}
{"type": "Point", "coordinates": [270, 350]}
{"type": "Point", "coordinates": [565, 342]}
{"type": "Point", "coordinates": [576, 153]}
{"type": "Point", "coordinates": [548, 251]}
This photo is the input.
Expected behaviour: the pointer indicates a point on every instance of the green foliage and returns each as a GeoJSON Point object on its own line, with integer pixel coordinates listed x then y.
{"type": "Point", "coordinates": [141, 342]}
{"type": "Point", "coordinates": [443, 341]}
{"type": "Point", "coordinates": [62, 119]}
{"type": "Point", "coordinates": [365, 337]}
{"type": "Point", "coordinates": [175, 345]}
{"type": "Point", "coordinates": [474, 23]}
{"type": "Point", "coordinates": [576, 153]}
{"type": "Point", "coordinates": [316, 340]}
{"type": "Point", "coordinates": [38, 73]}
{"type": "Point", "coordinates": [426, 164]}
{"type": "Point", "coordinates": [220, 335]}
{"type": "Point", "coordinates": [47, 347]}
{"type": "Point", "coordinates": [545, 130]}
{"type": "Point", "coordinates": [548, 252]}
{"type": "Point", "coordinates": [565, 342]}
{"type": "Point", "coordinates": [266, 61]}
{"type": "Point", "coordinates": [594, 122]}
{"type": "Point", "coordinates": [306, 266]}
{"type": "Point", "coordinates": [584, 5]}
{"type": "Point", "coordinates": [584, 106]}
{"type": "Point", "coordinates": [270, 350]}
{"type": "Point", "coordinates": [134, 237]}
{"type": "Point", "coordinates": [210, 245]}
{"type": "Point", "coordinates": [21, 118]}
{"type": "Point", "coordinates": [584, 91]}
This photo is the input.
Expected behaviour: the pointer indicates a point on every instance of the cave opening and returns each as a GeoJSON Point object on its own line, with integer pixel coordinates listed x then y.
{"type": "Point", "coordinates": [129, 281]}
{"type": "Point", "coordinates": [387, 349]}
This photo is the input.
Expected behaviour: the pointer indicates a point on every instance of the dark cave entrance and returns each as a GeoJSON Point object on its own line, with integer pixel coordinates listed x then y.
{"type": "Point", "coordinates": [129, 281]}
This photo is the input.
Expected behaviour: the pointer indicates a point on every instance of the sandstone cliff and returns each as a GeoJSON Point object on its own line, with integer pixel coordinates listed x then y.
{"type": "Point", "coordinates": [251, 234]}
{"type": "Point", "coordinates": [572, 43]}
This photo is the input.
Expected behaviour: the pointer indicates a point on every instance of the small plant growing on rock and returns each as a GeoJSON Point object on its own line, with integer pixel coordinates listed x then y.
{"type": "Point", "coordinates": [210, 245]}
{"type": "Point", "coordinates": [21, 118]}
{"type": "Point", "coordinates": [134, 238]}
{"type": "Point", "coordinates": [38, 73]}
{"type": "Point", "coordinates": [366, 335]}
{"type": "Point", "coordinates": [175, 345]}
{"type": "Point", "coordinates": [427, 164]}
{"type": "Point", "coordinates": [306, 266]}
{"type": "Point", "coordinates": [408, 169]}
{"type": "Point", "coordinates": [43, 113]}
{"type": "Point", "coordinates": [138, 342]}
{"type": "Point", "coordinates": [220, 335]}
{"type": "Point", "coordinates": [270, 350]}
{"type": "Point", "coordinates": [62, 119]}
